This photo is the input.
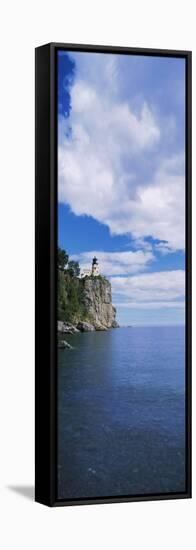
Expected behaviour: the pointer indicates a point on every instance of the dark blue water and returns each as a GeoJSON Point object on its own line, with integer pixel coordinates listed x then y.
{"type": "Point", "coordinates": [121, 413]}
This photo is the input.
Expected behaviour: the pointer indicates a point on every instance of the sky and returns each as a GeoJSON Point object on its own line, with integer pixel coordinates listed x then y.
{"type": "Point", "coordinates": [121, 177]}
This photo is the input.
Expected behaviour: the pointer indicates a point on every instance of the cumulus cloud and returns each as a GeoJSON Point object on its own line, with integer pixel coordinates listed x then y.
{"type": "Point", "coordinates": [154, 287]}
{"type": "Point", "coordinates": [103, 145]}
{"type": "Point", "coordinates": [116, 263]}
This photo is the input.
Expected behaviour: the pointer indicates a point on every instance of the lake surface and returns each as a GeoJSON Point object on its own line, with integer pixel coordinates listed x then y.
{"type": "Point", "coordinates": [121, 413]}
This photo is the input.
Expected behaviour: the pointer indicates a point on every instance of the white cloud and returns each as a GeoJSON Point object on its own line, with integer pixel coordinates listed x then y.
{"type": "Point", "coordinates": [99, 166]}
{"type": "Point", "coordinates": [116, 263]}
{"type": "Point", "coordinates": [149, 287]}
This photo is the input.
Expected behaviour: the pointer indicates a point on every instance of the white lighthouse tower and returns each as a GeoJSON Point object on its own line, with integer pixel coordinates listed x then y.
{"type": "Point", "coordinates": [95, 267]}
{"type": "Point", "coordinates": [91, 272]}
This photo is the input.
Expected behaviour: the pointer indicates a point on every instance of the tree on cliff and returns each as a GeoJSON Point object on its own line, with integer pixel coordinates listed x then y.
{"type": "Point", "coordinates": [70, 297]}
{"type": "Point", "coordinates": [73, 268]}
{"type": "Point", "coordinates": [63, 258]}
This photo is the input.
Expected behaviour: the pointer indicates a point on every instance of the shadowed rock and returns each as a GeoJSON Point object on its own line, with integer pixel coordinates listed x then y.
{"type": "Point", "coordinates": [83, 326]}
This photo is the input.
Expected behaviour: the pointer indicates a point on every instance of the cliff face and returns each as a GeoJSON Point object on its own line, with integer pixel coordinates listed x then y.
{"type": "Point", "coordinates": [97, 299]}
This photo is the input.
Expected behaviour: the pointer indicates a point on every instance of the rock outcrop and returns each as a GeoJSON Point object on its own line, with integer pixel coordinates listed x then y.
{"type": "Point", "coordinates": [84, 326]}
{"type": "Point", "coordinates": [97, 299]}
{"type": "Point", "coordinates": [66, 328]}
{"type": "Point", "coordinates": [63, 344]}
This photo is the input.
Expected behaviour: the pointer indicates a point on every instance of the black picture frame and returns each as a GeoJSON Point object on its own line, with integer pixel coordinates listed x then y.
{"type": "Point", "coordinates": [46, 280]}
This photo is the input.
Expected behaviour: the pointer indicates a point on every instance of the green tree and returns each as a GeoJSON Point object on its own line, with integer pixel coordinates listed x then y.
{"type": "Point", "coordinates": [70, 290]}
{"type": "Point", "coordinates": [63, 258]}
{"type": "Point", "coordinates": [62, 301]}
{"type": "Point", "coordinates": [73, 268]}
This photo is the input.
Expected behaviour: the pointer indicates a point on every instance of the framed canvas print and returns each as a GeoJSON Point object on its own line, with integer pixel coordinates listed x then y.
{"type": "Point", "coordinates": [113, 274]}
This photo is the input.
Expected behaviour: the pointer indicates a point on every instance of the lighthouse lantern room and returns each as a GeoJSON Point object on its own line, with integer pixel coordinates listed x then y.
{"type": "Point", "coordinates": [95, 267]}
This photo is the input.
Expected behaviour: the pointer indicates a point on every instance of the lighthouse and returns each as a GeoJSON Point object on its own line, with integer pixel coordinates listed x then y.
{"type": "Point", "coordinates": [95, 267]}
{"type": "Point", "coordinates": [91, 272]}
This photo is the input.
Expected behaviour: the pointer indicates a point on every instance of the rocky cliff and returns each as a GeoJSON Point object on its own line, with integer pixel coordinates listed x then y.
{"type": "Point", "coordinates": [97, 300]}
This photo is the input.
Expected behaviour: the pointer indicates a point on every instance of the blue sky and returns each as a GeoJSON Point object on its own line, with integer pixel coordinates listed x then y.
{"type": "Point", "coordinates": [121, 177]}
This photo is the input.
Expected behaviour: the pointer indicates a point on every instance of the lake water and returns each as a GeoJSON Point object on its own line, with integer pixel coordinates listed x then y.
{"type": "Point", "coordinates": [121, 413]}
